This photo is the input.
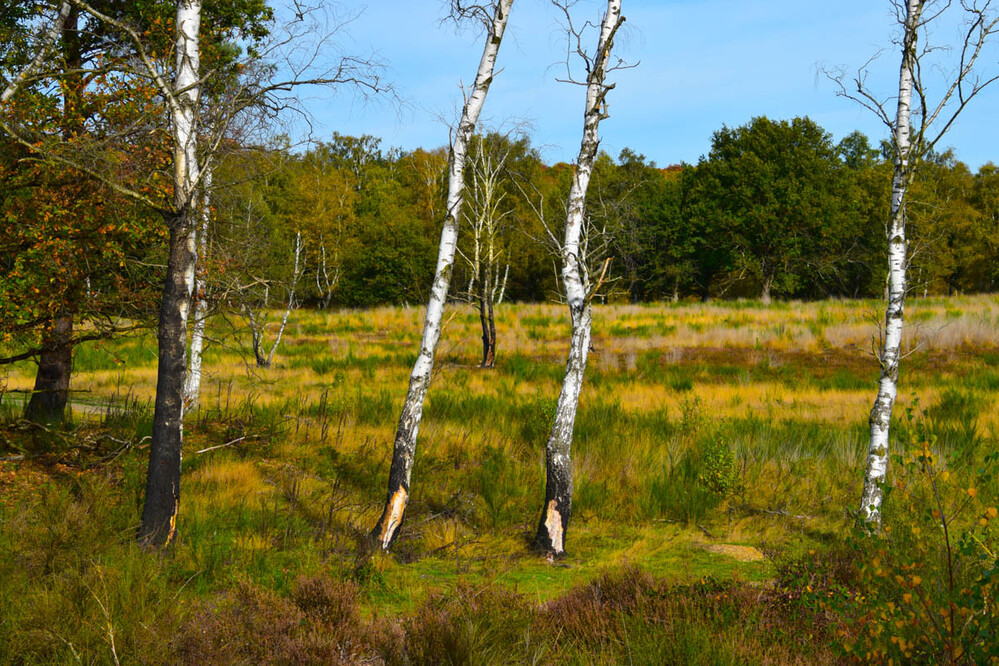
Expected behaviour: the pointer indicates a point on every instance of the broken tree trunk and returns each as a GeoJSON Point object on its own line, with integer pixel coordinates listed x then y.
{"type": "Point", "coordinates": [404, 449]}
{"type": "Point", "coordinates": [557, 510]}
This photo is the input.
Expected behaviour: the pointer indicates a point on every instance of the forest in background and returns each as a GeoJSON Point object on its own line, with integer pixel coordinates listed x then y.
{"type": "Point", "coordinates": [775, 203]}
{"type": "Point", "coordinates": [776, 206]}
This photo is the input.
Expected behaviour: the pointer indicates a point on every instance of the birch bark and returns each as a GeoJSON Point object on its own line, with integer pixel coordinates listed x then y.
{"type": "Point", "coordinates": [404, 449]}
{"type": "Point", "coordinates": [192, 386]}
{"type": "Point", "coordinates": [880, 419]}
{"type": "Point", "coordinates": [557, 510]}
{"type": "Point", "coordinates": [159, 513]}
{"type": "Point", "coordinates": [291, 300]}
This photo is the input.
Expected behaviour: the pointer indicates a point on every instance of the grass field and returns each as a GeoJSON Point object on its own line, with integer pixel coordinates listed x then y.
{"type": "Point", "coordinates": [715, 444]}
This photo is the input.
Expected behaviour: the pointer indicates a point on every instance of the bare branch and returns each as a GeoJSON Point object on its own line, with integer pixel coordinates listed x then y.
{"type": "Point", "coordinates": [48, 41]}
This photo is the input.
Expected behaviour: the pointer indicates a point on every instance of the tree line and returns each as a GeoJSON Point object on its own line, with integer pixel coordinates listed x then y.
{"type": "Point", "coordinates": [777, 209]}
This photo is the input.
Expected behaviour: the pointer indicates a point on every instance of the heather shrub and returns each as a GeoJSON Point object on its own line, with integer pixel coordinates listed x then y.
{"type": "Point", "coordinates": [251, 625]}
{"type": "Point", "coordinates": [469, 626]}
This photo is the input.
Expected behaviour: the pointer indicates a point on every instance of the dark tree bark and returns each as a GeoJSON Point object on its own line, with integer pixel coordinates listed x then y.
{"type": "Point", "coordinates": [486, 318]}
{"type": "Point", "coordinates": [55, 365]}
{"type": "Point", "coordinates": [491, 319]}
{"type": "Point", "coordinates": [51, 393]}
{"type": "Point", "coordinates": [159, 514]}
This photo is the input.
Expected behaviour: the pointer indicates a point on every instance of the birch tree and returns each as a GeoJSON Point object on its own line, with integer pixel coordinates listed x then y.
{"type": "Point", "coordinates": [159, 512]}
{"type": "Point", "coordinates": [192, 384]}
{"type": "Point", "coordinates": [494, 18]}
{"type": "Point", "coordinates": [578, 288]}
{"type": "Point", "coordinates": [487, 213]}
{"type": "Point", "coordinates": [257, 317]}
{"type": "Point", "coordinates": [917, 125]}
{"type": "Point", "coordinates": [329, 197]}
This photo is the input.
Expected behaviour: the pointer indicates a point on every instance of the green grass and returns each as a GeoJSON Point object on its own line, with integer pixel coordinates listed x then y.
{"type": "Point", "coordinates": [700, 427]}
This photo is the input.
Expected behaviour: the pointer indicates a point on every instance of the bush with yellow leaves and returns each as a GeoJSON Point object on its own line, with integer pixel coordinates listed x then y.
{"type": "Point", "coordinates": [925, 587]}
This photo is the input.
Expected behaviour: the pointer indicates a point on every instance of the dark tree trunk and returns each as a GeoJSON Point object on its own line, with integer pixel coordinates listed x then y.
{"type": "Point", "coordinates": [55, 365]}
{"type": "Point", "coordinates": [491, 318]}
{"type": "Point", "coordinates": [486, 318]}
{"type": "Point", "coordinates": [159, 514]}
{"type": "Point", "coordinates": [48, 401]}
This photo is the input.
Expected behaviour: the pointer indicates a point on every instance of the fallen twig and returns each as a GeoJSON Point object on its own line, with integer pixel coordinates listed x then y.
{"type": "Point", "coordinates": [220, 446]}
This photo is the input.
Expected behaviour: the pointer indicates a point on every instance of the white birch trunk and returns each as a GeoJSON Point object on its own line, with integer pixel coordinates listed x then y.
{"type": "Point", "coordinates": [325, 282]}
{"type": "Point", "coordinates": [502, 291]}
{"type": "Point", "coordinates": [880, 419]}
{"type": "Point", "coordinates": [557, 510]}
{"type": "Point", "coordinates": [404, 448]}
{"type": "Point", "coordinates": [485, 215]}
{"type": "Point", "coordinates": [159, 514]}
{"type": "Point", "coordinates": [192, 387]}
{"type": "Point", "coordinates": [258, 325]}
{"type": "Point", "coordinates": [48, 41]}
{"type": "Point", "coordinates": [291, 297]}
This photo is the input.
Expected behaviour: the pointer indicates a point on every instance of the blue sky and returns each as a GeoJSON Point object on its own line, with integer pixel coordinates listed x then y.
{"type": "Point", "coordinates": [703, 63]}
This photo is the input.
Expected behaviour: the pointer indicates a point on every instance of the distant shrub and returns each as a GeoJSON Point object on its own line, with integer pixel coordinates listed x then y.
{"type": "Point", "coordinates": [719, 468]}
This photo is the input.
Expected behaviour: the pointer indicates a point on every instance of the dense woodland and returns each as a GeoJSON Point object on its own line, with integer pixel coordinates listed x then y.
{"type": "Point", "coordinates": [775, 204]}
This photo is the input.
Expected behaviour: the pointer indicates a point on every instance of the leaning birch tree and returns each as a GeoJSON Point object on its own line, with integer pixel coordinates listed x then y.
{"type": "Point", "coordinates": [916, 126]}
{"type": "Point", "coordinates": [494, 17]}
{"type": "Point", "coordinates": [557, 509]}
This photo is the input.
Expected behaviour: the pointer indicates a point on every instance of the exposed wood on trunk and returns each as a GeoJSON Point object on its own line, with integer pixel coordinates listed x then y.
{"type": "Point", "coordinates": [554, 522]}
{"type": "Point", "coordinates": [404, 448]}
